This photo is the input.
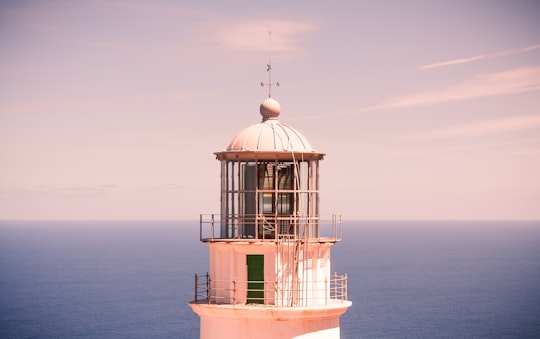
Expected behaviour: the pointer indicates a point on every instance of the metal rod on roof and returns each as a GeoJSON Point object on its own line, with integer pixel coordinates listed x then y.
{"type": "Point", "coordinates": [269, 66]}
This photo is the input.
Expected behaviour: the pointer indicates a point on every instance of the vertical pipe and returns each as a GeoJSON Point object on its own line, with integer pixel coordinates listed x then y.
{"type": "Point", "coordinates": [234, 291]}
{"type": "Point", "coordinates": [326, 291]}
{"type": "Point", "coordinates": [200, 227]}
{"type": "Point", "coordinates": [239, 212]}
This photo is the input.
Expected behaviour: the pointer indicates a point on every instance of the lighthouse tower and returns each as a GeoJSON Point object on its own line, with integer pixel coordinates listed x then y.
{"type": "Point", "coordinates": [269, 249]}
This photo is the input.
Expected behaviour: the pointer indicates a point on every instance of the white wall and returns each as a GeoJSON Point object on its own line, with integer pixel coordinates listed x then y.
{"type": "Point", "coordinates": [307, 285]}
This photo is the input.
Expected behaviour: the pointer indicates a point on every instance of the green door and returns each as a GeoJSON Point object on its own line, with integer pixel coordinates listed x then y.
{"type": "Point", "coordinates": [255, 268]}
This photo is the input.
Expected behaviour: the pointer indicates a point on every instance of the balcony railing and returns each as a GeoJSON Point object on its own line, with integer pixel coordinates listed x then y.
{"type": "Point", "coordinates": [257, 227]}
{"type": "Point", "coordinates": [235, 292]}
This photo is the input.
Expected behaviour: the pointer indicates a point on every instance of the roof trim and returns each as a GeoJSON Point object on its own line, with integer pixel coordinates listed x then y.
{"type": "Point", "coordinates": [268, 155]}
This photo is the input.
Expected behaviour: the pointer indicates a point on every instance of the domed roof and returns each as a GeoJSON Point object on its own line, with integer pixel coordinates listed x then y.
{"type": "Point", "coordinates": [270, 136]}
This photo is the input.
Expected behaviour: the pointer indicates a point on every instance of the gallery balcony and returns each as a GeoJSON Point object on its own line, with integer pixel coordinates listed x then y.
{"type": "Point", "coordinates": [273, 228]}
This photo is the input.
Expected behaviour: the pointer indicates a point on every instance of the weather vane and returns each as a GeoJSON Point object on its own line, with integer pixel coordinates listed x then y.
{"type": "Point", "coordinates": [269, 67]}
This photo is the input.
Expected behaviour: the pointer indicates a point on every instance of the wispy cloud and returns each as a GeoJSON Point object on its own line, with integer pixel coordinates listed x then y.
{"type": "Point", "coordinates": [509, 82]}
{"type": "Point", "coordinates": [496, 126]}
{"type": "Point", "coordinates": [480, 57]}
{"type": "Point", "coordinates": [501, 83]}
{"type": "Point", "coordinates": [252, 35]}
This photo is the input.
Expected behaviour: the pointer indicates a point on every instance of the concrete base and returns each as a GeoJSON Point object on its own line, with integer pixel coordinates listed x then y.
{"type": "Point", "coordinates": [265, 322]}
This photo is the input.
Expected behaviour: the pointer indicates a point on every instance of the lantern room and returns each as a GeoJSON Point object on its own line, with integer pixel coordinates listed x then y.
{"type": "Point", "coordinates": [269, 182]}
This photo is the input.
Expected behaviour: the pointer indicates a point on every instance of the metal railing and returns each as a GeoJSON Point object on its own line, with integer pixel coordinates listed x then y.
{"type": "Point", "coordinates": [234, 292]}
{"type": "Point", "coordinates": [257, 227]}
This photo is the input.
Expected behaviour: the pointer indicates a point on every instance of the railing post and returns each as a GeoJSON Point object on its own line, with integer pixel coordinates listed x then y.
{"type": "Point", "coordinates": [236, 226]}
{"type": "Point", "coordinates": [342, 278]}
{"type": "Point", "coordinates": [336, 285]}
{"type": "Point", "coordinates": [195, 287]}
{"type": "Point", "coordinates": [212, 226]}
{"type": "Point", "coordinates": [208, 287]}
{"type": "Point", "coordinates": [346, 287]}
{"type": "Point", "coordinates": [200, 227]}
{"type": "Point", "coordinates": [326, 291]}
{"type": "Point", "coordinates": [258, 219]}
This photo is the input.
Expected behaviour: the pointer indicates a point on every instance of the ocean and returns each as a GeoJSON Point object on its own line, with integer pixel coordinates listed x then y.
{"type": "Point", "coordinates": [133, 279]}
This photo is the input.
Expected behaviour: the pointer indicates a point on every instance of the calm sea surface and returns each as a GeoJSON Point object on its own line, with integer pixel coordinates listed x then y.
{"type": "Point", "coordinates": [132, 279]}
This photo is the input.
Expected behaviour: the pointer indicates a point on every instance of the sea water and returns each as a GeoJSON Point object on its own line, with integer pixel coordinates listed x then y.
{"type": "Point", "coordinates": [133, 279]}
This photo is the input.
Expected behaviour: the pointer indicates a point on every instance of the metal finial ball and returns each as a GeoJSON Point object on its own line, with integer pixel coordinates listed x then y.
{"type": "Point", "coordinates": [270, 109]}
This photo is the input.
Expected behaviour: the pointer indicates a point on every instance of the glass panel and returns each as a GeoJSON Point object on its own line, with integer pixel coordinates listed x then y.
{"type": "Point", "coordinates": [266, 176]}
{"type": "Point", "coordinates": [248, 188]}
{"type": "Point", "coordinates": [284, 203]}
{"type": "Point", "coordinates": [232, 176]}
{"type": "Point", "coordinates": [304, 175]}
{"type": "Point", "coordinates": [303, 207]}
{"type": "Point", "coordinates": [266, 203]}
{"type": "Point", "coordinates": [285, 176]}
{"type": "Point", "coordinates": [248, 199]}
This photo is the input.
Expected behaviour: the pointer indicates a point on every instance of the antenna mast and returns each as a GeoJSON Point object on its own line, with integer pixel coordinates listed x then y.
{"type": "Point", "coordinates": [269, 67]}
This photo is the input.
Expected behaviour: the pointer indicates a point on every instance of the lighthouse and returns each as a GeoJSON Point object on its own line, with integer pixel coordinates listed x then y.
{"type": "Point", "coordinates": [269, 273]}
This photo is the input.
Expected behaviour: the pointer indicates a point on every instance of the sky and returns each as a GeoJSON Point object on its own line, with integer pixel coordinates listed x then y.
{"type": "Point", "coordinates": [425, 109]}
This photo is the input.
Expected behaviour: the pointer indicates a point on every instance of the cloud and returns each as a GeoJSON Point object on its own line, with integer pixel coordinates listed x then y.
{"type": "Point", "coordinates": [252, 36]}
{"type": "Point", "coordinates": [509, 82]}
{"type": "Point", "coordinates": [501, 83]}
{"type": "Point", "coordinates": [497, 126]}
{"type": "Point", "coordinates": [480, 57]}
